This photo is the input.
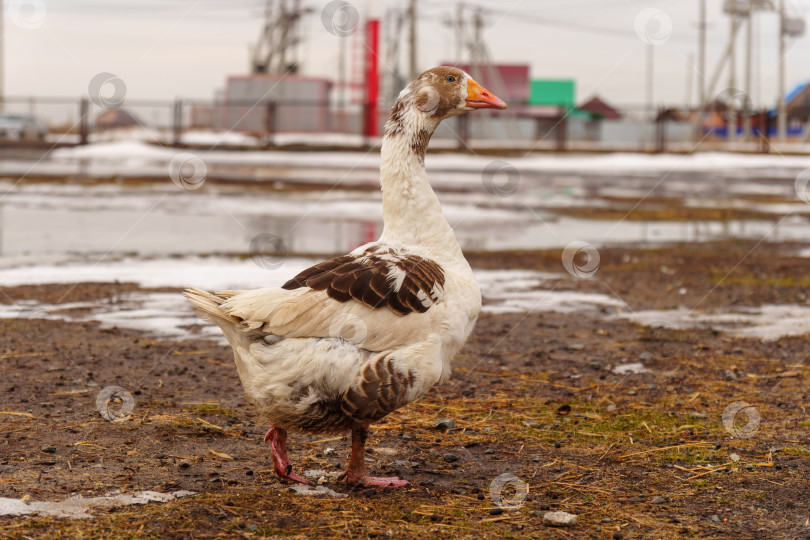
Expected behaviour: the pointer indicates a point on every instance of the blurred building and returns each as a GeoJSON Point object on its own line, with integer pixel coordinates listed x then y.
{"type": "Point", "coordinates": [262, 102]}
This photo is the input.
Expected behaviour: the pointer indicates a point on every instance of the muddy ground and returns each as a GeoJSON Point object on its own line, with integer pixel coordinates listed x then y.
{"type": "Point", "coordinates": [633, 456]}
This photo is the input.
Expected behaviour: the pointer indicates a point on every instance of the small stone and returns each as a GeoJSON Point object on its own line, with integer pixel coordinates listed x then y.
{"type": "Point", "coordinates": [559, 519]}
{"type": "Point", "coordinates": [575, 346]}
{"type": "Point", "coordinates": [698, 415]}
{"type": "Point", "coordinates": [9, 469]}
{"type": "Point", "coordinates": [545, 507]}
{"type": "Point", "coordinates": [531, 423]}
{"type": "Point", "coordinates": [445, 424]}
{"type": "Point", "coordinates": [658, 499]}
{"type": "Point", "coordinates": [611, 408]}
{"type": "Point", "coordinates": [480, 496]}
{"type": "Point", "coordinates": [184, 464]}
{"type": "Point", "coordinates": [595, 365]}
{"type": "Point", "coordinates": [606, 520]}
{"type": "Point", "coordinates": [773, 449]}
{"type": "Point", "coordinates": [489, 451]}
{"type": "Point", "coordinates": [253, 528]}
{"type": "Point", "coordinates": [536, 459]}
{"type": "Point", "coordinates": [645, 356]}
{"type": "Point", "coordinates": [496, 511]}
{"type": "Point", "coordinates": [617, 535]}
{"type": "Point", "coordinates": [748, 466]}
{"type": "Point", "coordinates": [558, 444]}
{"type": "Point", "coordinates": [631, 392]}
{"type": "Point", "coordinates": [450, 458]}
{"type": "Point", "coordinates": [49, 449]}
{"type": "Point", "coordinates": [716, 518]}
{"type": "Point", "coordinates": [734, 457]}
{"type": "Point", "coordinates": [160, 456]}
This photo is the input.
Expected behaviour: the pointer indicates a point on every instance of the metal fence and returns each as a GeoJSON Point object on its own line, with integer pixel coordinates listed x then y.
{"type": "Point", "coordinates": [265, 124]}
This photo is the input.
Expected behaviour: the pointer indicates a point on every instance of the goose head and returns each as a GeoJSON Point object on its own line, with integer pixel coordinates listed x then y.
{"type": "Point", "coordinates": [438, 93]}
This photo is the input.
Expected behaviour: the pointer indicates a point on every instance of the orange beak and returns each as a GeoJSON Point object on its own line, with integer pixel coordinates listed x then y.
{"type": "Point", "coordinates": [479, 97]}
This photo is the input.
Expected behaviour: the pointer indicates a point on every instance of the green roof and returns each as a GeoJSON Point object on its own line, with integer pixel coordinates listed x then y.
{"type": "Point", "coordinates": [552, 92]}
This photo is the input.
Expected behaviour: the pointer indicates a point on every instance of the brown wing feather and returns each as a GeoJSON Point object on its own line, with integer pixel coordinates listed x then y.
{"type": "Point", "coordinates": [370, 279]}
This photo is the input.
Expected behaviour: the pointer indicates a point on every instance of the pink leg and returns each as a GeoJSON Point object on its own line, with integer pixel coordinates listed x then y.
{"type": "Point", "coordinates": [356, 471]}
{"type": "Point", "coordinates": [277, 438]}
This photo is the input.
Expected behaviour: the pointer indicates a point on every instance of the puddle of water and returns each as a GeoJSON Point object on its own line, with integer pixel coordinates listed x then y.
{"type": "Point", "coordinates": [46, 219]}
{"type": "Point", "coordinates": [78, 507]}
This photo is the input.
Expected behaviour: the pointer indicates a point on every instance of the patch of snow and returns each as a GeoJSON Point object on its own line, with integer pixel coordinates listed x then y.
{"type": "Point", "coordinates": [768, 322]}
{"type": "Point", "coordinates": [301, 489]}
{"type": "Point", "coordinates": [631, 368]}
{"type": "Point", "coordinates": [80, 507]}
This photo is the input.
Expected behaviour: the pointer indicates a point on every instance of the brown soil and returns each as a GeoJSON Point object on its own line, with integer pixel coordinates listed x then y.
{"type": "Point", "coordinates": [531, 395]}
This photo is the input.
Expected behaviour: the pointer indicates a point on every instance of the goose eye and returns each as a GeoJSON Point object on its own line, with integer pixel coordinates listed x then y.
{"type": "Point", "coordinates": [450, 78]}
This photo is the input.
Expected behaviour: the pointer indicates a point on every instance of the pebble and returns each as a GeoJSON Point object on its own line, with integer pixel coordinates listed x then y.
{"type": "Point", "coordinates": [576, 346]}
{"type": "Point", "coordinates": [658, 499]}
{"type": "Point", "coordinates": [716, 518]}
{"type": "Point", "coordinates": [559, 519]}
{"type": "Point", "coordinates": [49, 449]}
{"type": "Point", "coordinates": [617, 535]}
{"type": "Point", "coordinates": [645, 356]}
{"type": "Point", "coordinates": [606, 520]}
{"type": "Point", "coordinates": [496, 511]}
{"type": "Point", "coordinates": [184, 464]}
{"type": "Point", "coordinates": [253, 528]}
{"type": "Point", "coordinates": [489, 451]}
{"type": "Point", "coordinates": [450, 458]}
{"type": "Point", "coordinates": [9, 469]}
{"type": "Point", "coordinates": [631, 392]}
{"type": "Point", "coordinates": [595, 365]}
{"type": "Point", "coordinates": [545, 507]}
{"type": "Point", "coordinates": [445, 424]}
{"type": "Point", "coordinates": [734, 457]}
{"type": "Point", "coordinates": [698, 415]}
{"type": "Point", "coordinates": [611, 408]}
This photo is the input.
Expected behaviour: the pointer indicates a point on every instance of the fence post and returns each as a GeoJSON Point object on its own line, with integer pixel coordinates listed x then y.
{"type": "Point", "coordinates": [84, 119]}
{"type": "Point", "coordinates": [270, 122]}
{"type": "Point", "coordinates": [661, 131]}
{"type": "Point", "coordinates": [463, 131]}
{"type": "Point", "coordinates": [177, 125]}
{"type": "Point", "coordinates": [765, 136]}
{"type": "Point", "coordinates": [561, 130]}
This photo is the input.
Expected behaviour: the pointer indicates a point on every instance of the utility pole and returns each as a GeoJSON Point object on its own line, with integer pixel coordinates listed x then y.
{"type": "Point", "coordinates": [781, 109]}
{"type": "Point", "coordinates": [459, 26]}
{"type": "Point", "coordinates": [2, 56]}
{"type": "Point", "coordinates": [731, 113]}
{"type": "Point", "coordinates": [412, 65]}
{"type": "Point", "coordinates": [701, 78]}
{"type": "Point", "coordinates": [747, 102]}
{"type": "Point", "coordinates": [650, 74]}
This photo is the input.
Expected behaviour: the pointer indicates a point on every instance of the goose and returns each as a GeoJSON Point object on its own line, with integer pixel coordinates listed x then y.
{"type": "Point", "coordinates": [353, 338]}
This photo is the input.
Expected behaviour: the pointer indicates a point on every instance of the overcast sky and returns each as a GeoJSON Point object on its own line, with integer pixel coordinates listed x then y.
{"type": "Point", "coordinates": [169, 48]}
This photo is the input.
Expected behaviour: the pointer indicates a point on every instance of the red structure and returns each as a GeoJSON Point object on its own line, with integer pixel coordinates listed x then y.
{"type": "Point", "coordinates": [372, 77]}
